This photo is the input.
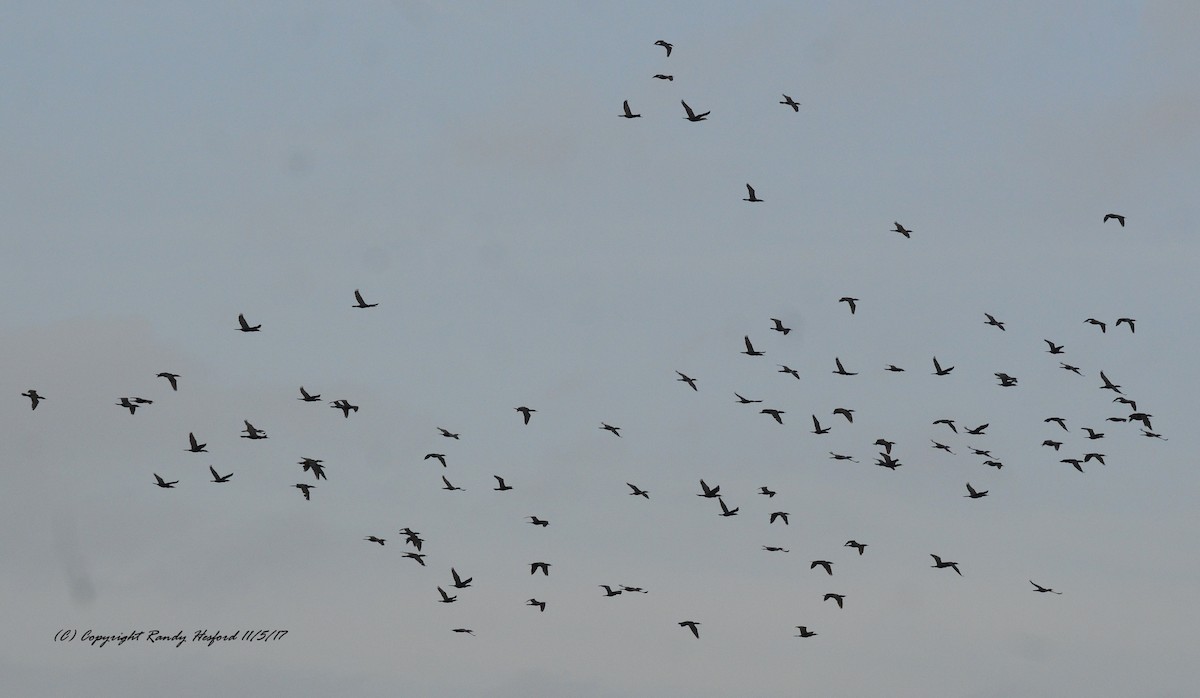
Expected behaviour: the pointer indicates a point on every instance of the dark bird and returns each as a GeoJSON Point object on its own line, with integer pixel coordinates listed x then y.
{"type": "Point", "coordinates": [977, 431]}
{"type": "Point", "coordinates": [127, 405]}
{"type": "Point", "coordinates": [142, 401]}
{"type": "Point", "coordinates": [1109, 385]}
{"type": "Point", "coordinates": [1006, 381]}
{"type": "Point", "coordinates": [163, 483]}
{"type": "Point", "coordinates": [468, 631]}
{"type": "Point", "coordinates": [973, 494]}
{"type": "Point", "coordinates": [538, 522]}
{"type": "Point", "coordinates": [459, 582]}
{"type": "Point", "coordinates": [817, 429]}
{"type": "Point", "coordinates": [637, 491]}
{"type": "Point", "coordinates": [839, 456]}
{"type": "Point", "coordinates": [306, 397]}
{"type": "Point", "coordinates": [993, 321]}
{"type": "Point", "coordinates": [194, 446]}
{"type": "Point", "coordinates": [660, 76]}
{"type": "Point", "coordinates": [344, 406]}
{"type": "Point", "coordinates": [745, 401]}
{"type": "Point", "coordinates": [313, 464]}
{"type": "Point", "coordinates": [942, 447]}
{"type": "Point", "coordinates": [1141, 417]}
{"type": "Point", "coordinates": [1039, 588]}
{"type": "Point", "coordinates": [994, 464]}
{"type": "Point", "coordinates": [540, 604]}
{"type": "Point", "coordinates": [847, 413]}
{"type": "Point", "coordinates": [726, 511]}
{"type": "Point", "coordinates": [1119, 218]}
{"type": "Point", "coordinates": [1094, 321]}
{"type": "Point", "coordinates": [447, 434]}
{"type": "Point", "coordinates": [836, 597]}
{"type": "Point", "coordinates": [774, 549]}
{"type": "Point", "coordinates": [750, 349]}
{"type": "Point", "coordinates": [544, 566]}
{"type": "Point", "coordinates": [173, 378]}
{"type": "Point", "coordinates": [779, 326]}
{"type": "Point", "coordinates": [887, 445]}
{"type": "Point", "coordinates": [1116, 419]}
{"type": "Point", "coordinates": [446, 598]}
{"type": "Point", "coordinates": [1054, 348]}
{"type": "Point", "coordinates": [252, 433]}
{"type": "Point", "coordinates": [1057, 420]}
{"type": "Point", "coordinates": [1126, 401]}
{"type": "Point", "coordinates": [902, 230]}
{"type": "Point", "coordinates": [894, 368]}
{"type": "Point", "coordinates": [691, 115]}
{"type": "Point", "coordinates": [779, 515]}
{"type": "Point", "coordinates": [1073, 462]}
{"type": "Point", "coordinates": [628, 112]}
{"type": "Point", "coordinates": [634, 590]}
{"type": "Point", "coordinates": [852, 302]}
{"type": "Point", "coordinates": [841, 370]}
{"type": "Point", "coordinates": [938, 370]}
{"type": "Point", "coordinates": [980, 452]}
{"type": "Point", "coordinates": [500, 486]}
{"type": "Point", "coordinates": [608, 427]}
{"type": "Point", "coordinates": [687, 379]}
{"type": "Point", "coordinates": [440, 456]}
{"type": "Point", "coordinates": [804, 631]}
{"type": "Point", "coordinates": [245, 326]}
{"type": "Point", "coordinates": [947, 422]}
{"type": "Point", "coordinates": [305, 489]}
{"type": "Point", "coordinates": [450, 488]}
{"type": "Point", "coordinates": [219, 478]}
{"type": "Point", "coordinates": [1092, 433]}
{"type": "Point", "coordinates": [937, 563]}
{"type": "Point", "coordinates": [412, 537]}
{"type": "Point", "coordinates": [1069, 367]}
{"type": "Point", "coordinates": [786, 369]}
{"type": "Point", "coordinates": [1097, 456]}
{"type": "Point", "coordinates": [752, 198]}
{"type": "Point", "coordinates": [665, 45]}
{"type": "Point", "coordinates": [791, 103]}
{"type": "Point", "coordinates": [609, 591]}
{"type": "Point", "coordinates": [691, 624]}
{"type": "Point", "coordinates": [34, 398]}
{"type": "Point", "coordinates": [1053, 444]}
{"type": "Point", "coordinates": [766, 491]}
{"type": "Point", "coordinates": [375, 539]}
{"type": "Point", "coordinates": [525, 412]}
{"type": "Point", "coordinates": [774, 413]}
{"type": "Point", "coordinates": [855, 544]}
{"type": "Point", "coordinates": [1126, 320]}
{"type": "Point", "coordinates": [823, 563]}
{"type": "Point", "coordinates": [886, 461]}
{"type": "Point", "coordinates": [709, 492]}
{"type": "Point", "coordinates": [360, 303]}
{"type": "Point", "coordinates": [1152, 435]}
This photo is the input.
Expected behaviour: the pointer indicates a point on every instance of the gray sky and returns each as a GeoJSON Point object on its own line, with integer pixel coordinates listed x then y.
{"type": "Point", "coordinates": [167, 167]}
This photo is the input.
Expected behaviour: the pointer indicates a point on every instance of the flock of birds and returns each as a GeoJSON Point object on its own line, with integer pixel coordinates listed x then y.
{"type": "Point", "coordinates": [887, 456]}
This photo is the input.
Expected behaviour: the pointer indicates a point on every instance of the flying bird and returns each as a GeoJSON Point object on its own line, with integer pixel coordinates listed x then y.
{"type": "Point", "coordinates": [538, 522]}
{"type": "Point", "coordinates": [543, 566]}
{"type": "Point", "coordinates": [459, 582]}
{"type": "Point", "coordinates": [468, 631]}
{"type": "Point", "coordinates": [1054, 348]}
{"type": "Point", "coordinates": [446, 598]}
{"type": "Point", "coordinates": [305, 489]}
{"type": "Point", "coordinates": [1094, 321]}
{"type": "Point", "coordinates": [993, 321]}
{"type": "Point", "coordinates": [1053, 444]}
{"type": "Point", "coordinates": [937, 563]}
{"type": "Point", "coordinates": [855, 544]}
{"type": "Point", "coordinates": [163, 483]}
{"type": "Point", "coordinates": [901, 229]}
{"type": "Point", "coordinates": [841, 371]}
{"type": "Point", "coordinates": [752, 198]}
{"type": "Point", "coordinates": [540, 604]}
{"type": "Point", "coordinates": [665, 45]}
{"type": "Point", "coordinates": [1097, 456]}
{"type": "Point", "coordinates": [313, 464]}
{"type": "Point", "coordinates": [34, 398]}
{"type": "Point", "coordinates": [1119, 218]}
{"type": "Point", "coordinates": [628, 113]}
{"type": "Point", "coordinates": [774, 413]}
{"type": "Point", "coordinates": [947, 422]}
{"type": "Point", "coordinates": [375, 539]}
{"type": "Point", "coordinates": [252, 433]}
{"type": "Point", "coordinates": [1057, 420]}
{"type": "Point", "coordinates": [726, 511]}
{"type": "Point", "coordinates": [1109, 385]}
{"type": "Point", "coordinates": [683, 378]}
{"type": "Point", "coordinates": [219, 478]}
{"type": "Point", "coordinates": [836, 597]}
{"type": "Point", "coordinates": [447, 434]}
{"type": "Point", "coordinates": [609, 591]}
{"type": "Point", "coordinates": [750, 349]}
{"type": "Point", "coordinates": [779, 326]}
{"type": "Point", "coordinates": [839, 456]}
{"type": "Point", "coordinates": [360, 303]}
{"type": "Point", "coordinates": [500, 486]}
{"type": "Point", "coordinates": [525, 412]}
{"type": "Point", "coordinates": [608, 427]}
{"type": "Point", "coordinates": [973, 494]}
{"type": "Point", "coordinates": [691, 624]}
{"type": "Point", "coordinates": [1039, 588]}
{"type": "Point", "coordinates": [693, 116]}
{"type": "Point", "coordinates": [774, 549]}
{"type": "Point", "coordinates": [127, 405]}
{"type": "Point", "coordinates": [194, 446]}
{"type": "Point", "coordinates": [450, 488]}
{"type": "Point", "coordinates": [847, 413]}
{"type": "Point", "coordinates": [1092, 433]}
{"type": "Point", "coordinates": [938, 370]}
{"type": "Point", "coordinates": [804, 631]}
{"type": "Point", "coordinates": [978, 430]}
{"type": "Point", "coordinates": [440, 456]}
{"type": "Point", "coordinates": [245, 326]}
{"type": "Point", "coordinates": [887, 445]}
{"type": "Point", "coordinates": [894, 369]}
{"type": "Point", "coordinates": [1127, 320]}
{"type": "Point", "coordinates": [172, 378]}
{"type": "Point", "coordinates": [637, 491]}
{"type": "Point", "coordinates": [791, 103]}
{"type": "Point", "coordinates": [942, 447]}
{"type": "Point", "coordinates": [709, 492]}
{"type": "Point", "coordinates": [1069, 367]}
{"type": "Point", "coordinates": [787, 369]}
{"type": "Point", "coordinates": [779, 515]}
{"type": "Point", "coordinates": [745, 401]}
{"type": "Point", "coordinates": [852, 302]}
{"type": "Point", "coordinates": [344, 406]}
{"type": "Point", "coordinates": [823, 563]}
{"type": "Point", "coordinates": [660, 76]}
{"type": "Point", "coordinates": [817, 429]}
{"type": "Point", "coordinates": [765, 490]}
{"type": "Point", "coordinates": [306, 397]}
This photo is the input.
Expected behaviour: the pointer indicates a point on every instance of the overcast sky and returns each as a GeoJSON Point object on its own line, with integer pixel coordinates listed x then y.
{"type": "Point", "coordinates": [166, 167]}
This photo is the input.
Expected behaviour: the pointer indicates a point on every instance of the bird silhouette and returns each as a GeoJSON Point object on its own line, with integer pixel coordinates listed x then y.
{"type": "Point", "coordinates": [313, 464]}
{"type": "Point", "coordinates": [34, 398]}
{"type": "Point", "coordinates": [1118, 217]}
{"type": "Point", "coordinates": [752, 198]}
{"type": "Point", "coordinates": [725, 510]}
{"type": "Point", "coordinates": [459, 582]}
{"type": "Point", "coordinates": [665, 45]}
{"type": "Point", "coordinates": [446, 598]}
{"type": "Point", "coordinates": [466, 631]}
{"type": "Point", "coordinates": [774, 413]}
{"type": "Point", "coordinates": [172, 378]}
{"type": "Point", "coordinates": [804, 631]}
{"type": "Point", "coordinates": [977, 431]}
{"type": "Point", "coordinates": [450, 488]}
{"type": "Point", "coordinates": [855, 544]}
{"type": "Point", "coordinates": [938, 370]}
{"type": "Point", "coordinates": [839, 456]}
{"type": "Point", "coordinates": [765, 490]}
{"type": "Point", "coordinates": [540, 604]}
{"type": "Point", "coordinates": [847, 413]}
{"type": "Point", "coordinates": [691, 625]}
{"type": "Point", "coordinates": [1069, 367]}
{"type": "Point", "coordinates": [1039, 588]}
{"type": "Point", "coordinates": [1059, 421]}
{"type": "Point", "coordinates": [822, 563]}
{"type": "Point", "coordinates": [841, 371]}
{"type": "Point", "coordinates": [375, 539]}
{"type": "Point", "coordinates": [783, 515]}
{"type": "Point", "coordinates": [440, 456]}
{"type": "Point", "coordinates": [660, 76]}
{"type": "Point", "coordinates": [750, 349]}
{"type": "Point", "coordinates": [887, 445]}
{"type": "Point", "coordinates": [774, 549]}
{"type": "Point", "coordinates": [609, 591]}
{"type": "Point", "coordinates": [1092, 433]}
{"type": "Point", "coordinates": [840, 598]}
{"type": "Point", "coordinates": [525, 412]}
{"type": "Point", "coordinates": [1054, 348]}
{"type": "Point", "coordinates": [817, 428]}
{"type": "Point", "coordinates": [543, 566]}
{"type": "Point", "coordinates": [709, 492]}
{"type": "Point", "coordinates": [894, 368]}
{"type": "Point", "coordinates": [344, 406]}
{"type": "Point", "coordinates": [608, 427]}
{"type": "Point", "coordinates": [219, 478]}
{"type": "Point", "coordinates": [306, 397]}
{"type": "Point", "coordinates": [1109, 385]}
{"type": "Point", "coordinates": [447, 434]}
{"type": "Point", "coordinates": [252, 433]}
{"type": "Point", "coordinates": [636, 491]}
{"type": "Point", "coordinates": [412, 537]}
{"type": "Point", "coordinates": [691, 115]}
{"type": "Point", "coordinates": [127, 405]}
{"type": "Point", "coordinates": [1127, 320]}
{"type": "Point", "coordinates": [745, 401]}
{"type": "Point", "coordinates": [687, 379]}
{"type": "Point", "coordinates": [947, 422]}
{"type": "Point", "coordinates": [1053, 444]}
{"type": "Point", "coordinates": [937, 563]}
{"type": "Point", "coordinates": [1094, 456]}
{"type": "Point", "coordinates": [973, 494]}
{"type": "Point", "coordinates": [538, 522]}
{"type": "Point", "coordinates": [245, 326]}
{"type": "Point", "coordinates": [500, 486]}
{"type": "Point", "coordinates": [305, 490]}
{"type": "Point", "coordinates": [993, 321]}
{"type": "Point", "coordinates": [942, 447]}
{"type": "Point", "coordinates": [360, 303]}
{"type": "Point", "coordinates": [195, 447]}
{"type": "Point", "coordinates": [163, 483]}
{"type": "Point", "coordinates": [629, 113]}
{"type": "Point", "coordinates": [1094, 321]}
{"type": "Point", "coordinates": [791, 103]}
{"type": "Point", "coordinates": [852, 302]}
{"type": "Point", "coordinates": [792, 371]}
{"type": "Point", "coordinates": [902, 230]}
{"type": "Point", "coordinates": [779, 326]}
